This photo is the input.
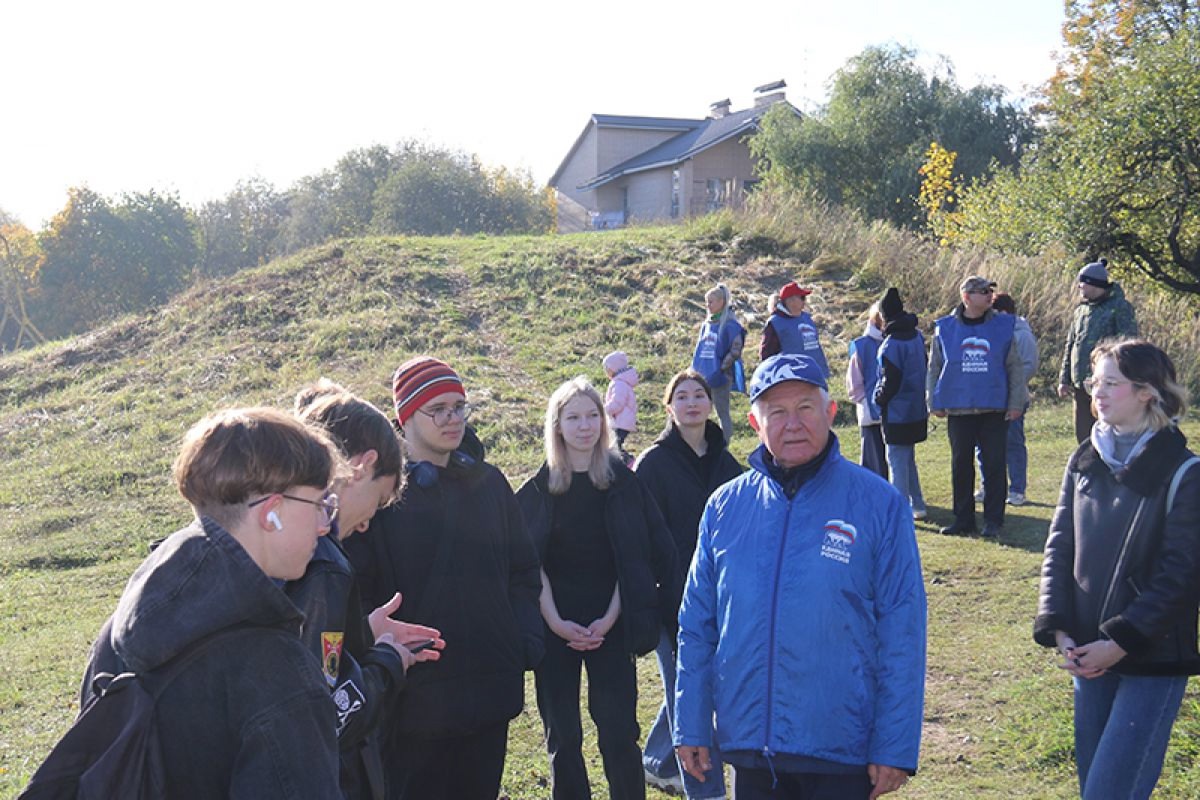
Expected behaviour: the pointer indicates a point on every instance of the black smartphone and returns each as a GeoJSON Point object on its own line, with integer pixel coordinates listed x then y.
{"type": "Point", "coordinates": [419, 645]}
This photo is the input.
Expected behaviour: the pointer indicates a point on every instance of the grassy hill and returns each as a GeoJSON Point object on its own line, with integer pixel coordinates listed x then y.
{"type": "Point", "coordinates": [88, 429]}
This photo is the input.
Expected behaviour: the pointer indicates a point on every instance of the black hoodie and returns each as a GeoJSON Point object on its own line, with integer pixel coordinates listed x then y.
{"type": "Point", "coordinates": [455, 545]}
{"type": "Point", "coordinates": [681, 481]}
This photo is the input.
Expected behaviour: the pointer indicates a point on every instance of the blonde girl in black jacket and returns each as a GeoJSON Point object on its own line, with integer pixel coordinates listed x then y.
{"type": "Point", "coordinates": [609, 580]}
{"type": "Point", "coordinates": [1121, 572]}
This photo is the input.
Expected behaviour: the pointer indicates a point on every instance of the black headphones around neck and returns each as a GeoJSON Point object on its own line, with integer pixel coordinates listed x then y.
{"type": "Point", "coordinates": [425, 473]}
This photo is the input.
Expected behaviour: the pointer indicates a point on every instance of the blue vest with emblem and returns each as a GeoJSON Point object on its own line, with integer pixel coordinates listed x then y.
{"type": "Point", "coordinates": [908, 355]}
{"type": "Point", "coordinates": [973, 375]}
{"type": "Point", "coordinates": [868, 361]}
{"type": "Point", "coordinates": [712, 347]}
{"type": "Point", "coordinates": [799, 335]}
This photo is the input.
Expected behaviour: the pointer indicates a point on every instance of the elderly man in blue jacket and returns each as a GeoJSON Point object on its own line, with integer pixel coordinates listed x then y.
{"type": "Point", "coordinates": [803, 620]}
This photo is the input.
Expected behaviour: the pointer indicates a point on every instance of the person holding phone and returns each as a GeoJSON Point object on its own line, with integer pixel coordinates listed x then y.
{"type": "Point", "coordinates": [609, 582]}
{"type": "Point", "coordinates": [1121, 571]}
{"type": "Point", "coordinates": [363, 657]}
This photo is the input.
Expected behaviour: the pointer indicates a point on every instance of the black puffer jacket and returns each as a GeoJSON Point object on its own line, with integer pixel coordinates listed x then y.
{"type": "Point", "coordinates": [647, 570]}
{"type": "Point", "coordinates": [458, 550]}
{"type": "Point", "coordinates": [680, 484]}
{"type": "Point", "coordinates": [1117, 566]}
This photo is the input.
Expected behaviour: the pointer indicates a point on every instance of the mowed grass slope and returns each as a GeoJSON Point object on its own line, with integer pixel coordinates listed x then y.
{"type": "Point", "coordinates": [88, 429]}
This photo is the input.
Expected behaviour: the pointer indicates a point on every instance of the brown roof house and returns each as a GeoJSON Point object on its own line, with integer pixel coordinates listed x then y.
{"type": "Point", "coordinates": [622, 169]}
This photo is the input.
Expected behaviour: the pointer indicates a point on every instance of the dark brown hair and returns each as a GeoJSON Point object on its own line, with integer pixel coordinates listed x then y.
{"type": "Point", "coordinates": [686, 375]}
{"type": "Point", "coordinates": [239, 454]}
{"type": "Point", "coordinates": [355, 425]}
{"type": "Point", "coordinates": [1002, 301]}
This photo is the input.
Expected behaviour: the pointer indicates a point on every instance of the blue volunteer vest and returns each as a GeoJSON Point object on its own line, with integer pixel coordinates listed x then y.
{"type": "Point", "coordinates": [908, 356]}
{"type": "Point", "coordinates": [973, 375]}
{"type": "Point", "coordinates": [868, 359]}
{"type": "Point", "coordinates": [712, 347]}
{"type": "Point", "coordinates": [799, 335]}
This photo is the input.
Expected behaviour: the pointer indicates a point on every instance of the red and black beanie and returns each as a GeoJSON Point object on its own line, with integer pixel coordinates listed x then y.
{"type": "Point", "coordinates": [419, 380]}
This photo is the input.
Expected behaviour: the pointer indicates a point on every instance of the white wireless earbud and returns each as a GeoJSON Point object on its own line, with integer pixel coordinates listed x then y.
{"type": "Point", "coordinates": [273, 518]}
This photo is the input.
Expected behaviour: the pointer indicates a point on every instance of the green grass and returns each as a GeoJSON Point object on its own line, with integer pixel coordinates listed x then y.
{"type": "Point", "coordinates": [88, 429]}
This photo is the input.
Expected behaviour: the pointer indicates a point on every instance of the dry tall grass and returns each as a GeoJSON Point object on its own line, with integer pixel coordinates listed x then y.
{"type": "Point", "coordinates": [878, 255]}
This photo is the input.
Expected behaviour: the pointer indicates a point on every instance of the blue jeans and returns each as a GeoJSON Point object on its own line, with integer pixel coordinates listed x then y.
{"type": "Point", "coordinates": [1122, 725]}
{"type": "Point", "coordinates": [902, 460]}
{"type": "Point", "coordinates": [1014, 453]}
{"type": "Point", "coordinates": [659, 754]}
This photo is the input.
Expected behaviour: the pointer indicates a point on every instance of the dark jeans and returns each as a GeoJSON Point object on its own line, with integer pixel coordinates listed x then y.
{"type": "Point", "coordinates": [988, 432]}
{"type": "Point", "coordinates": [454, 768]}
{"type": "Point", "coordinates": [1083, 414]}
{"type": "Point", "coordinates": [874, 453]}
{"type": "Point", "coordinates": [612, 703]}
{"type": "Point", "coordinates": [756, 784]}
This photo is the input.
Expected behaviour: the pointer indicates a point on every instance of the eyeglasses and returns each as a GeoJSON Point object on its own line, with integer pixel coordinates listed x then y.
{"type": "Point", "coordinates": [442, 414]}
{"type": "Point", "coordinates": [328, 504]}
{"type": "Point", "coordinates": [980, 291]}
{"type": "Point", "coordinates": [1091, 385]}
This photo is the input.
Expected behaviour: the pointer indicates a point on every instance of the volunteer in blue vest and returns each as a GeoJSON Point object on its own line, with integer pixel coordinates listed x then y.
{"type": "Point", "coordinates": [791, 328]}
{"type": "Point", "coordinates": [900, 395]}
{"type": "Point", "coordinates": [719, 345]}
{"type": "Point", "coordinates": [862, 374]}
{"type": "Point", "coordinates": [977, 382]}
{"type": "Point", "coordinates": [803, 619]}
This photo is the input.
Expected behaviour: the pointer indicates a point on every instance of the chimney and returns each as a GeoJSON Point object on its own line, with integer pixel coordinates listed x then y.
{"type": "Point", "coordinates": [719, 109]}
{"type": "Point", "coordinates": [769, 94]}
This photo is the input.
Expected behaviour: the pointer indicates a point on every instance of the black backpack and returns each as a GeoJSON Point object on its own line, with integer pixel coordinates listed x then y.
{"type": "Point", "coordinates": [112, 748]}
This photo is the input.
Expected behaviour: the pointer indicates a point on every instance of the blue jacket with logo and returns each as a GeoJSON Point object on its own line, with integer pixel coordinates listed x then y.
{"type": "Point", "coordinates": [713, 345]}
{"type": "Point", "coordinates": [803, 621]}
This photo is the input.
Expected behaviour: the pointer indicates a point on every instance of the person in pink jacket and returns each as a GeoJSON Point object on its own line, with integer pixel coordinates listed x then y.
{"type": "Point", "coordinates": [620, 403]}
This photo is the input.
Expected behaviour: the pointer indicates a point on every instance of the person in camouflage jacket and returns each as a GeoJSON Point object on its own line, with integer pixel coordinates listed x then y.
{"type": "Point", "coordinates": [1103, 313]}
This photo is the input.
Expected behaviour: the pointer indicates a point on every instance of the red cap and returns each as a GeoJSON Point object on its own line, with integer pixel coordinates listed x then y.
{"type": "Point", "coordinates": [793, 290]}
{"type": "Point", "coordinates": [419, 380]}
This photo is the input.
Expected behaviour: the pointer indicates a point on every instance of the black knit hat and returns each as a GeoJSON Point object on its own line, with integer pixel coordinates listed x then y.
{"type": "Point", "coordinates": [891, 306]}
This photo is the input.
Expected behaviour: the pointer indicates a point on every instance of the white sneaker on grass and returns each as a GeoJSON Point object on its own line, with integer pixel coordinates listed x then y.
{"type": "Point", "coordinates": [1016, 499]}
{"type": "Point", "coordinates": [979, 496]}
{"type": "Point", "coordinates": [672, 785]}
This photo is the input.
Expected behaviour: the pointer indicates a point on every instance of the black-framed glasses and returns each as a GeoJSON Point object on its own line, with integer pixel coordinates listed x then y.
{"type": "Point", "coordinates": [980, 291]}
{"type": "Point", "coordinates": [442, 414]}
{"type": "Point", "coordinates": [328, 504]}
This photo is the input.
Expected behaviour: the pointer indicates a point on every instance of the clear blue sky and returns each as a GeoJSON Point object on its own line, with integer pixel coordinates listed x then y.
{"type": "Point", "coordinates": [129, 95]}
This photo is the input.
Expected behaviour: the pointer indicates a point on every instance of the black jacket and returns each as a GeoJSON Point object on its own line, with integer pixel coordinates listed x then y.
{"type": "Point", "coordinates": [455, 545]}
{"type": "Point", "coordinates": [1116, 566]}
{"type": "Point", "coordinates": [364, 678]}
{"type": "Point", "coordinates": [647, 571]}
{"type": "Point", "coordinates": [673, 474]}
{"type": "Point", "coordinates": [250, 717]}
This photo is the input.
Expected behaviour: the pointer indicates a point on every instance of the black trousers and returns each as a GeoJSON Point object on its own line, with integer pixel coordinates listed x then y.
{"type": "Point", "coordinates": [874, 452]}
{"type": "Point", "coordinates": [1083, 414]}
{"type": "Point", "coordinates": [612, 703]}
{"type": "Point", "coordinates": [988, 431]}
{"type": "Point", "coordinates": [760, 784]}
{"type": "Point", "coordinates": [455, 768]}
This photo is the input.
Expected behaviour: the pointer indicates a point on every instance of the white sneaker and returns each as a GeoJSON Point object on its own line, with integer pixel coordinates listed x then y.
{"type": "Point", "coordinates": [672, 785]}
{"type": "Point", "coordinates": [920, 513]}
{"type": "Point", "coordinates": [1016, 499]}
{"type": "Point", "coordinates": [979, 496]}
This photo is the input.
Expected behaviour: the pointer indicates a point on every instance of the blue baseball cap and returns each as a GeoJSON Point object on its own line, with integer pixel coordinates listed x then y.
{"type": "Point", "coordinates": [785, 367]}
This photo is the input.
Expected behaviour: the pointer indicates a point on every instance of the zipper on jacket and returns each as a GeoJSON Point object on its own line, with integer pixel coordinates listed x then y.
{"type": "Point", "coordinates": [1119, 567]}
{"type": "Point", "coordinates": [771, 638]}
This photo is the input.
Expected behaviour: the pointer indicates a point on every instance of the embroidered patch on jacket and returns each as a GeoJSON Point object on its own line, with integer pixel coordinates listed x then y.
{"type": "Point", "coordinates": [975, 353]}
{"type": "Point", "coordinates": [331, 655]}
{"type": "Point", "coordinates": [348, 700]}
{"type": "Point", "coordinates": [839, 538]}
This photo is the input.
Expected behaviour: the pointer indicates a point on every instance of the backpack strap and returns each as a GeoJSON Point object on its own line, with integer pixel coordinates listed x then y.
{"type": "Point", "coordinates": [1178, 478]}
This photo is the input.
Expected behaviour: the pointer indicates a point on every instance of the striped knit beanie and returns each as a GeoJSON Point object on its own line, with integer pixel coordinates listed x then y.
{"type": "Point", "coordinates": [419, 380]}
